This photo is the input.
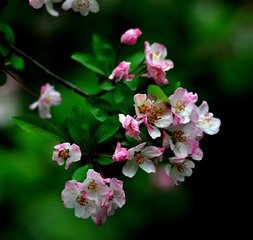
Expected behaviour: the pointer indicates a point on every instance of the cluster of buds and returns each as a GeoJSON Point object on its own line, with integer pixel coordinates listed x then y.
{"type": "Point", "coordinates": [82, 6]}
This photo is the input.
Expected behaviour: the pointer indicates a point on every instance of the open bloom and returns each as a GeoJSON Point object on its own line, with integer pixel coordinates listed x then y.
{"type": "Point", "coordinates": [141, 157]}
{"type": "Point", "coordinates": [182, 103]}
{"type": "Point", "coordinates": [206, 122]}
{"type": "Point", "coordinates": [121, 72]}
{"type": "Point", "coordinates": [66, 153]}
{"type": "Point", "coordinates": [48, 97]}
{"type": "Point", "coordinates": [178, 168]}
{"type": "Point", "coordinates": [156, 63]}
{"type": "Point", "coordinates": [130, 36]}
{"type": "Point", "coordinates": [82, 6]}
{"type": "Point", "coordinates": [48, 3]}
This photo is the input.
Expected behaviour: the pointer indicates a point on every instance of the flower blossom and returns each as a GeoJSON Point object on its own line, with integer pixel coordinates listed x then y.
{"type": "Point", "coordinates": [82, 6]}
{"type": "Point", "coordinates": [154, 114]}
{"type": "Point", "coordinates": [48, 97]}
{"type": "Point", "coordinates": [120, 153]}
{"type": "Point", "coordinates": [131, 125]}
{"type": "Point", "coordinates": [66, 153]}
{"type": "Point", "coordinates": [156, 63]}
{"type": "Point", "coordinates": [178, 168]}
{"type": "Point", "coordinates": [95, 197]}
{"type": "Point", "coordinates": [139, 156]}
{"type": "Point", "coordinates": [205, 120]}
{"type": "Point", "coordinates": [130, 36]}
{"type": "Point", "coordinates": [121, 72]}
{"type": "Point", "coordinates": [48, 3]}
{"type": "Point", "coordinates": [182, 103]}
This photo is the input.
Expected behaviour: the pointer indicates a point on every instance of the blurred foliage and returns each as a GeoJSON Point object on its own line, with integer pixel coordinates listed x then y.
{"type": "Point", "coordinates": [210, 43]}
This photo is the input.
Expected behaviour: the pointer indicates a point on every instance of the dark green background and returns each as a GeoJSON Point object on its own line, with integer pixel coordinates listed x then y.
{"type": "Point", "coordinates": [211, 44]}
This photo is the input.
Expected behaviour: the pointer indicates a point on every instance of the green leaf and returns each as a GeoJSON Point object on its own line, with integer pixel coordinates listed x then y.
{"type": "Point", "coordinates": [104, 160]}
{"type": "Point", "coordinates": [88, 61]}
{"type": "Point", "coordinates": [80, 174]}
{"type": "Point", "coordinates": [16, 61]}
{"type": "Point", "coordinates": [96, 106]}
{"type": "Point", "coordinates": [158, 93]}
{"type": "Point", "coordinates": [106, 85]}
{"type": "Point", "coordinates": [78, 128]}
{"type": "Point", "coordinates": [135, 60]}
{"type": "Point", "coordinates": [7, 33]}
{"type": "Point", "coordinates": [123, 96]}
{"type": "Point", "coordinates": [3, 78]}
{"type": "Point", "coordinates": [170, 89]}
{"type": "Point", "coordinates": [36, 125]}
{"type": "Point", "coordinates": [107, 129]}
{"type": "Point", "coordinates": [104, 53]}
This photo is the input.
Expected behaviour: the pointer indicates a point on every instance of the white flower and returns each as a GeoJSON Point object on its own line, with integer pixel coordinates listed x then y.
{"type": "Point", "coordinates": [48, 97]}
{"type": "Point", "coordinates": [82, 6]}
{"type": "Point", "coordinates": [178, 168]}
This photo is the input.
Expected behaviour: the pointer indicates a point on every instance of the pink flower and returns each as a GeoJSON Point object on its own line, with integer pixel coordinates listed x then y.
{"type": "Point", "coordinates": [143, 105]}
{"type": "Point", "coordinates": [48, 97]}
{"type": "Point", "coordinates": [183, 140]}
{"type": "Point", "coordinates": [131, 125]}
{"type": "Point", "coordinates": [120, 154]}
{"type": "Point", "coordinates": [74, 196]}
{"type": "Point", "coordinates": [66, 153]}
{"type": "Point", "coordinates": [121, 72]}
{"type": "Point", "coordinates": [178, 168]}
{"type": "Point", "coordinates": [182, 103]}
{"type": "Point", "coordinates": [37, 3]}
{"type": "Point", "coordinates": [130, 36]}
{"type": "Point", "coordinates": [141, 157]}
{"type": "Point", "coordinates": [95, 186]}
{"type": "Point", "coordinates": [156, 63]}
{"type": "Point", "coordinates": [206, 122]}
{"type": "Point", "coordinates": [82, 6]}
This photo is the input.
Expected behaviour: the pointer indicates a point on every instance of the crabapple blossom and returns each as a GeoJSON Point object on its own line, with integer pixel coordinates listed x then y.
{"type": "Point", "coordinates": [206, 122]}
{"type": "Point", "coordinates": [130, 36]}
{"type": "Point", "coordinates": [182, 142]}
{"type": "Point", "coordinates": [48, 97]}
{"type": "Point", "coordinates": [142, 104]}
{"type": "Point", "coordinates": [139, 156]}
{"type": "Point", "coordinates": [109, 196]}
{"type": "Point", "coordinates": [121, 72]}
{"type": "Point", "coordinates": [66, 153]}
{"type": "Point", "coordinates": [156, 63]}
{"type": "Point", "coordinates": [48, 3]}
{"type": "Point", "coordinates": [82, 6]}
{"type": "Point", "coordinates": [182, 104]}
{"type": "Point", "coordinates": [120, 154]}
{"type": "Point", "coordinates": [131, 125]}
{"type": "Point", "coordinates": [178, 168]}
{"type": "Point", "coordinates": [74, 196]}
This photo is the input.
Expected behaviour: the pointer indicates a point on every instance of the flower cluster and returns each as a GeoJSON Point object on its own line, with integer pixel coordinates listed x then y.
{"type": "Point", "coordinates": [155, 128]}
{"type": "Point", "coordinates": [178, 121]}
{"type": "Point", "coordinates": [95, 197]}
{"type": "Point", "coordinates": [82, 6]}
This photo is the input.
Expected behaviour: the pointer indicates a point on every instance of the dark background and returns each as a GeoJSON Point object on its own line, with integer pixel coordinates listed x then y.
{"type": "Point", "coordinates": [211, 44]}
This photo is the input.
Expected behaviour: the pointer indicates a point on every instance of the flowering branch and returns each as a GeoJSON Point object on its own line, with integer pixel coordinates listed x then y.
{"type": "Point", "coordinates": [59, 79]}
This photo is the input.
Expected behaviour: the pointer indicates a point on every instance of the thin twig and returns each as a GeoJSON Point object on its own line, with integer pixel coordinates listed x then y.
{"type": "Point", "coordinates": [7, 72]}
{"type": "Point", "coordinates": [48, 72]}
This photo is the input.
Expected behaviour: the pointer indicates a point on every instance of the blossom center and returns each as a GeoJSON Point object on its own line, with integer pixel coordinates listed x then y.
{"type": "Point", "coordinates": [78, 5]}
{"type": "Point", "coordinates": [92, 186]}
{"type": "Point", "coordinates": [81, 200]}
{"type": "Point", "coordinates": [179, 136]}
{"type": "Point", "coordinates": [180, 167]}
{"type": "Point", "coordinates": [139, 158]}
{"type": "Point", "coordinates": [179, 106]}
{"type": "Point", "coordinates": [155, 115]}
{"type": "Point", "coordinates": [144, 109]}
{"type": "Point", "coordinates": [64, 154]}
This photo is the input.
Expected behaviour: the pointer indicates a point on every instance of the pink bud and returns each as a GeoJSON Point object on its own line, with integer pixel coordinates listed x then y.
{"type": "Point", "coordinates": [130, 36]}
